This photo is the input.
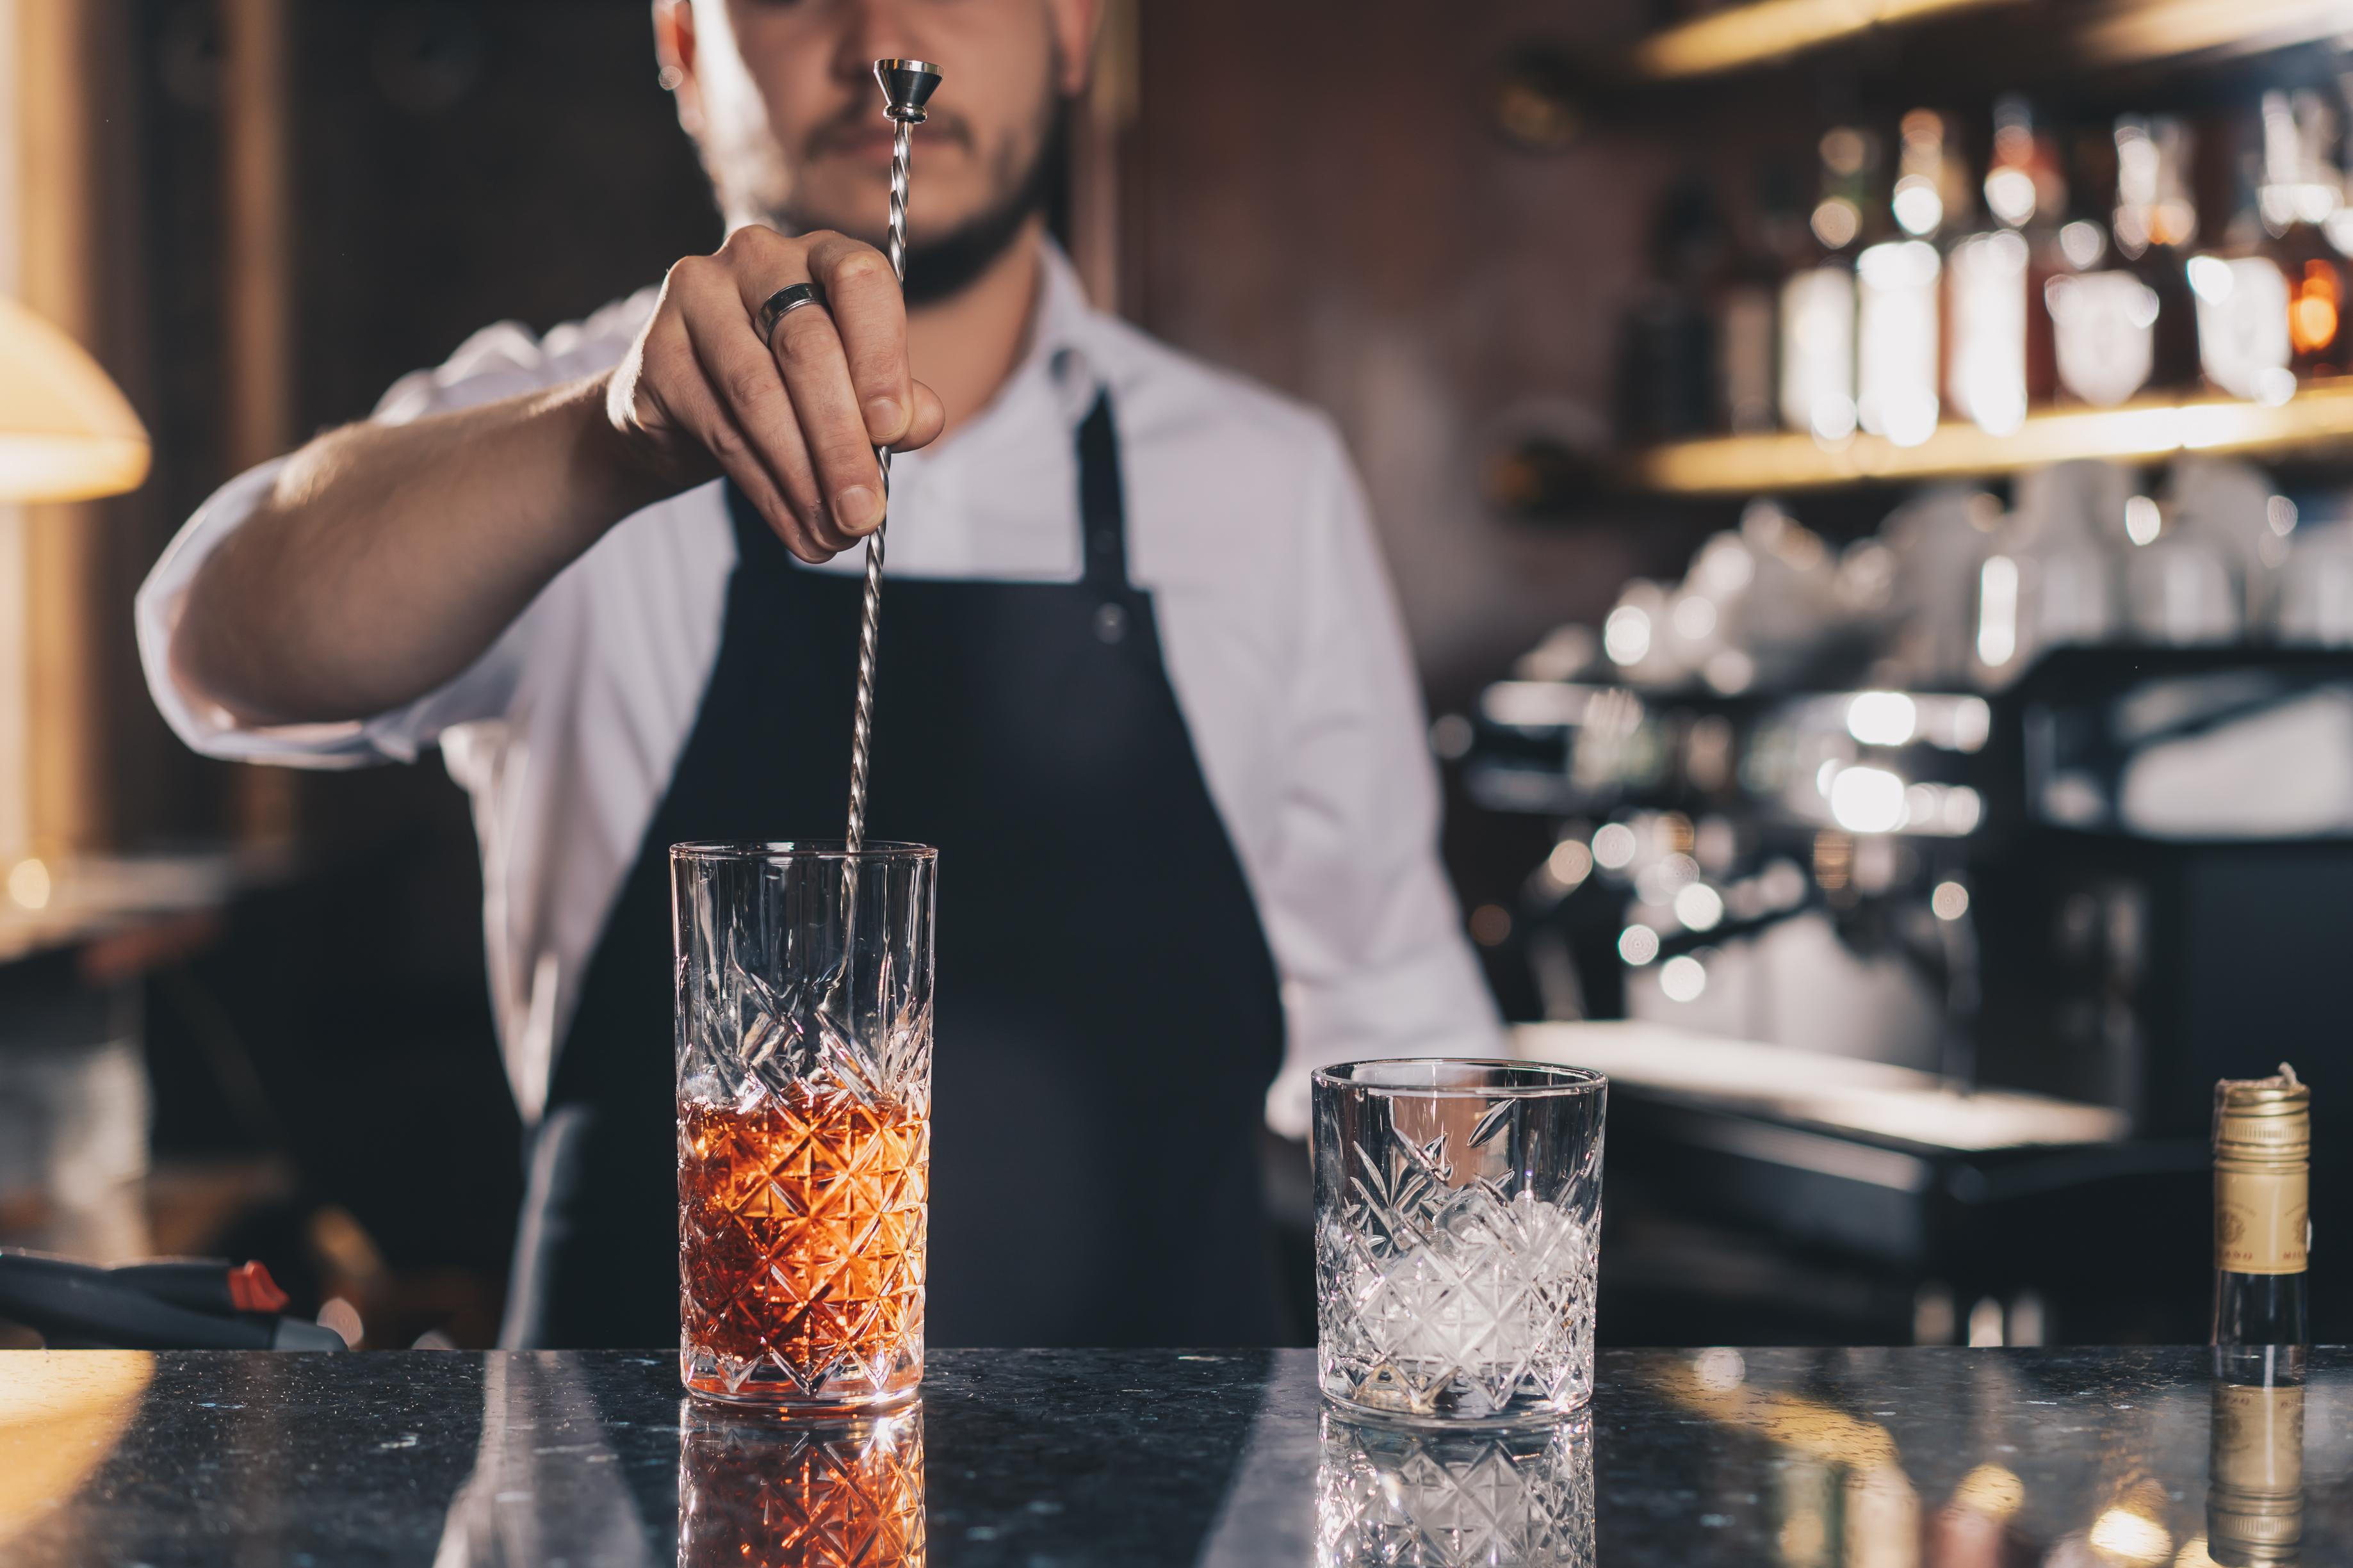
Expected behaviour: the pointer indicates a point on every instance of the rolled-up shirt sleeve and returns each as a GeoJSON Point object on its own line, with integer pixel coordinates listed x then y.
{"type": "Point", "coordinates": [500, 362]}
{"type": "Point", "coordinates": [1362, 919]}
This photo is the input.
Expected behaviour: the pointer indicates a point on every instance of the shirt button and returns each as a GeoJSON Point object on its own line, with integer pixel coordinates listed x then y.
{"type": "Point", "coordinates": [1110, 623]}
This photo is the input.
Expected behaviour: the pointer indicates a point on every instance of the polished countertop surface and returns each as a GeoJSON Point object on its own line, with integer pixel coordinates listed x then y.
{"type": "Point", "coordinates": [1914, 1458]}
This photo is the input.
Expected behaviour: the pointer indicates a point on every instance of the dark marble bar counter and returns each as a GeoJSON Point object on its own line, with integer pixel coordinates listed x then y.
{"type": "Point", "coordinates": [1910, 1459]}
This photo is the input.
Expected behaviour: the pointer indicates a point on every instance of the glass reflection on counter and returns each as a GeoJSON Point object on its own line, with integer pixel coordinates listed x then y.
{"type": "Point", "coordinates": [1396, 1495]}
{"type": "Point", "coordinates": [757, 1492]}
{"type": "Point", "coordinates": [1842, 1496]}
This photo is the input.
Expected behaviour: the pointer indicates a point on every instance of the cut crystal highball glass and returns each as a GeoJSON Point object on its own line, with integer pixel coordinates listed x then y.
{"type": "Point", "coordinates": [804, 1120]}
{"type": "Point", "coordinates": [1457, 1214]}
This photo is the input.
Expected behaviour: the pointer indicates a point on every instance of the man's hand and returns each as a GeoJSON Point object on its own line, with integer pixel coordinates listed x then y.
{"type": "Point", "coordinates": [794, 425]}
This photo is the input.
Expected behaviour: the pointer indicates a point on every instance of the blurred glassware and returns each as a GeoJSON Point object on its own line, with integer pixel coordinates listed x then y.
{"type": "Point", "coordinates": [2180, 590]}
{"type": "Point", "coordinates": [1634, 637]}
{"type": "Point", "coordinates": [2053, 582]}
{"type": "Point", "coordinates": [2234, 504]}
{"type": "Point", "coordinates": [1567, 653]}
{"type": "Point", "coordinates": [1790, 609]}
{"type": "Point", "coordinates": [2315, 598]}
{"type": "Point", "coordinates": [1938, 541]}
{"type": "Point", "coordinates": [1386, 1496]}
{"type": "Point", "coordinates": [74, 1116]}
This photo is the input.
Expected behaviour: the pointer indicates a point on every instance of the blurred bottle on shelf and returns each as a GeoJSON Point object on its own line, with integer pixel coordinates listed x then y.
{"type": "Point", "coordinates": [2155, 223]}
{"type": "Point", "coordinates": [2103, 318]}
{"type": "Point", "coordinates": [1747, 303]}
{"type": "Point", "coordinates": [2026, 162]}
{"type": "Point", "coordinates": [1667, 358]}
{"type": "Point", "coordinates": [1817, 299]}
{"type": "Point", "coordinates": [1990, 325]}
{"type": "Point", "coordinates": [1896, 286]}
{"type": "Point", "coordinates": [2242, 303]}
{"type": "Point", "coordinates": [2301, 191]}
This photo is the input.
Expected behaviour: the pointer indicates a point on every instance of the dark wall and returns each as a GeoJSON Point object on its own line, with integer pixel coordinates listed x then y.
{"type": "Point", "coordinates": [1331, 207]}
{"type": "Point", "coordinates": [453, 166]}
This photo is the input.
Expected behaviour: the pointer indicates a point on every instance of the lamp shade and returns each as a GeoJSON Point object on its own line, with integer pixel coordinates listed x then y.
{"type": "Point", "coordinates": [66, 433]}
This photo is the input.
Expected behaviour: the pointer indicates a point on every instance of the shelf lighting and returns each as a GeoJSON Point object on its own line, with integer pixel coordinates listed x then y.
{"type": "Point", "coordinates": [2317, 416]}
{"type": "Point", "coordinates": [1762, 30]}
{"type": "Point", "coordinates": [2120, 32]}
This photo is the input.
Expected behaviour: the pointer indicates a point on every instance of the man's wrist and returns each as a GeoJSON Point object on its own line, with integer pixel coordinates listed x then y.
{"type": "Point", "coordinates": [616, 476]}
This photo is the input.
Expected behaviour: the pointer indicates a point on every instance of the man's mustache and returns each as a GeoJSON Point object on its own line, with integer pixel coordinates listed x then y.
{"type": "Point", "coordinates": [859, 120]}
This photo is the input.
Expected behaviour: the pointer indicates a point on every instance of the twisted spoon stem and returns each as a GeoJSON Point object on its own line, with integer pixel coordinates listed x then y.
{"type": "Point", "coordinates": [869, 615]}
{"type": "Point", "coordinates": [870, 612]}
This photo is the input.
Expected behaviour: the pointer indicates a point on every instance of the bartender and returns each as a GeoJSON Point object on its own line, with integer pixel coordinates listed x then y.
{"type": "Point", "coordinates": [1141, 681]}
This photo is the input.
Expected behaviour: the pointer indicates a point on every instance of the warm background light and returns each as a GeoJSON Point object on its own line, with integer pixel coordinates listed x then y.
{"type": "Point", "coordinates": [66, 433]}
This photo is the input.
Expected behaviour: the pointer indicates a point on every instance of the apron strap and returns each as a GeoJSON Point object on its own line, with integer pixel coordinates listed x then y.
{"type": "Point", "coordinates": [1102, 503]}
{"type": "Point", "coordinates": [1102, 512]}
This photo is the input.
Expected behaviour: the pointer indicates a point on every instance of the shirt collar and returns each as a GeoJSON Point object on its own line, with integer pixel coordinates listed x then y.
{"type": "Point", "coordinates": [1059, 338]}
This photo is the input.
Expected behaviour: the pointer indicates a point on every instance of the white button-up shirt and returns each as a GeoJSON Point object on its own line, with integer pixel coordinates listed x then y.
{"type": "Point", "coordinates": [1245, 521]}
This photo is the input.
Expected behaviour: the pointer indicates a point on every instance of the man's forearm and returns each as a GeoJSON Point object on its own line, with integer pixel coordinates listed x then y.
{"type": "Point", "coordinates": [389, 558]}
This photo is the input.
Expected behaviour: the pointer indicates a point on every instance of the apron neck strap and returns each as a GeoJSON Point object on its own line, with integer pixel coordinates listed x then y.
{"type": "Point", "coordinates": [1102, 501]}
{"type": "Point", "coordinates": [1102, 509]}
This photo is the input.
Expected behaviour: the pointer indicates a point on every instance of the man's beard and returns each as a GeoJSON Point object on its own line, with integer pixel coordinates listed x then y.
{"type": "Point", "coordinates": [944, 266]}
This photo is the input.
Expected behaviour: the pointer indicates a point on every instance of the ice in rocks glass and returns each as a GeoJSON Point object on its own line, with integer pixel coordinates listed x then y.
{"type": "Point", "coordinates": [804, 1120]}
{"type": "Point", "coordinates": [1457, 1214]}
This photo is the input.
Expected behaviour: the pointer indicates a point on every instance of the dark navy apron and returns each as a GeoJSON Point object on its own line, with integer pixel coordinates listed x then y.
{"type": "Point", "coordinates": [1106, 1020]}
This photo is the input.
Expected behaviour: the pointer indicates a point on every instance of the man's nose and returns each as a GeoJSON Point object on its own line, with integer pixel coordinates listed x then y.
{"type": "Point", "coordinates": [873, 30]}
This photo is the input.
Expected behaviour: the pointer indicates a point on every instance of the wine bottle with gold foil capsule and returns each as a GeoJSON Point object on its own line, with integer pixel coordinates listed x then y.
{"type": "Point", "coordinates": [2254, 1494]}
{"type": "Point", "coordinates": [2263, 1161]}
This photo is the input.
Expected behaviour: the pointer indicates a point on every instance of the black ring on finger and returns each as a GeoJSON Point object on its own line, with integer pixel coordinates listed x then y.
{"type": "Point", "coordinates": [783, 304]}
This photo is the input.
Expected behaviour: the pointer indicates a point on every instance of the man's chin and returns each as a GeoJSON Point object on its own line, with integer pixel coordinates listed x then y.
{"type": "Point", "coordinates": [865, 221]}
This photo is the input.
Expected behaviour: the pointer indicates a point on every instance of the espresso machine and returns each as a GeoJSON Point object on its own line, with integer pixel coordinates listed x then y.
{"type": "Point", "coordinates": [1915, 894]}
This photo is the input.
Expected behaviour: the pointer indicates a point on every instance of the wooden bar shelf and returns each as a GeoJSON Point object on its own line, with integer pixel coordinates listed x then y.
{"type": "Point", "coordinates": [2316, 424]}
{"type": "Point", "coordinates": [1760, 34]}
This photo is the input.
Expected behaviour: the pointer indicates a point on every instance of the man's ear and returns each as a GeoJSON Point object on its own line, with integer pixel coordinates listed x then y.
{"type": "Point", "coordinates": [1076, 23]}
{"type": "Point", "coordinates": [674, 43]}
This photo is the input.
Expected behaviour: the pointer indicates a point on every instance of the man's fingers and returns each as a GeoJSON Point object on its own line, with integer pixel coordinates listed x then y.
{"type": "Point", "coordinates": [746, 385]}
{"type": "Point", "coordinates": [931, 418]}
{"type": "Point", "coordinates": [817, 374]}
{"type": "Point", "coordinates": [808, 352]}
{"type": "Point", "coordinates": [698, 407]}
{"type": "Point", "coordinates": [871, 314]}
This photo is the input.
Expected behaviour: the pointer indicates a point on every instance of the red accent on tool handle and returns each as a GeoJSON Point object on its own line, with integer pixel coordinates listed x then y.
{"type": "Point", "coordinates": [251, 1290]}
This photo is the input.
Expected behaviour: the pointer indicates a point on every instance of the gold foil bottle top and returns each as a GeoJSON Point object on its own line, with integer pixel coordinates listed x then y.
{"type": "Point", "coordinates": [2265, 1121]}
